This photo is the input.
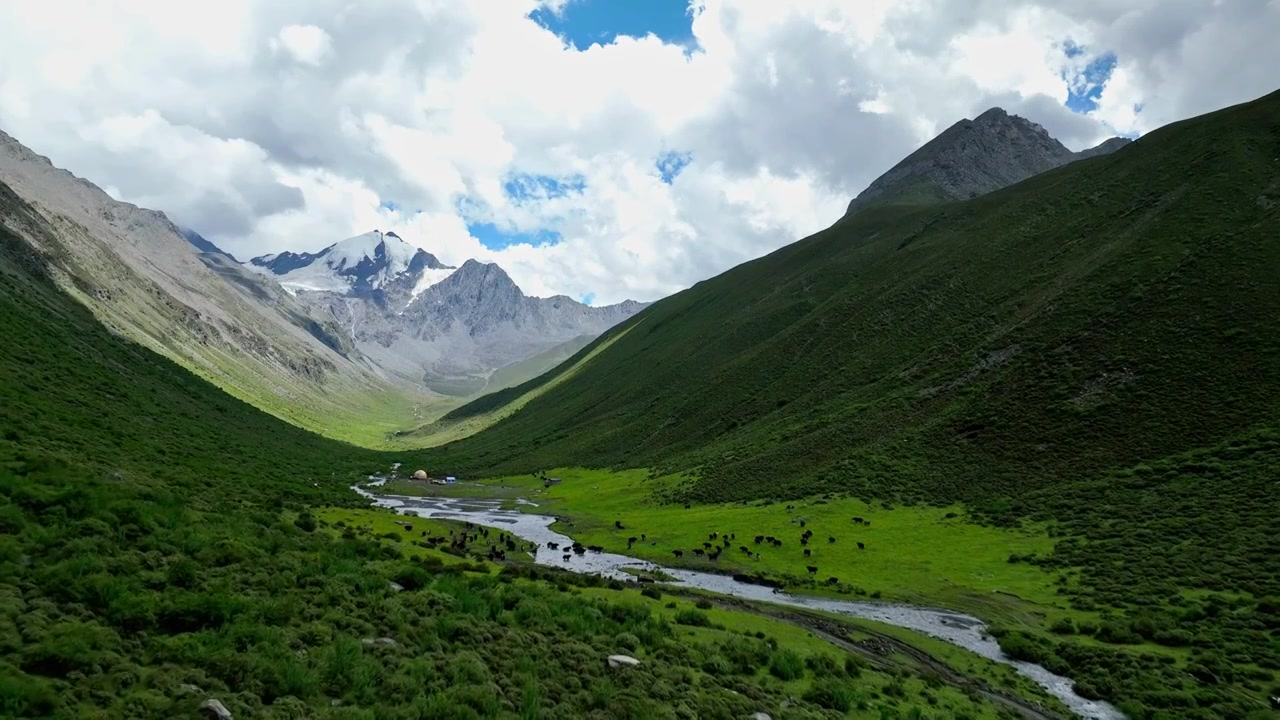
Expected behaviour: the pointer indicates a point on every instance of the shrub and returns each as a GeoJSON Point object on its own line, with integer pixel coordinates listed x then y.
{"type": "Point", "coordinates": [832, 695]}
{"type": "Point", "coordinates": [786, 665]}
{"type": "Point", "coordinates": [853, 665]}
{"type": "Point", "coordinates": [1118, 633]}
{"type": "Point", "coordinates": [627, 641]}
{"type": "Point", "coordinates": [695, 618]}
{"type": "Point", "coordinates": [822, 665]}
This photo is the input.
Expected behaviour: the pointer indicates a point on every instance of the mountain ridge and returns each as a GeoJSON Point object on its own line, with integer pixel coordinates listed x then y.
{"type": "Point", "coordinates": [451, 329]}
{"type": "Point", "coordinates": [972, 158]}
{"type": "Point", "coordinates": [142, 276]}
{"type": "Point", "coordinates": [917, 327]}
{"type": "Point", "coordinates": [1092, 354]}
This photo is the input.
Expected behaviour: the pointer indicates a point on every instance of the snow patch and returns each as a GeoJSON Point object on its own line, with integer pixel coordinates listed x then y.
{"type": "Point", "coordinates": [430, 277]}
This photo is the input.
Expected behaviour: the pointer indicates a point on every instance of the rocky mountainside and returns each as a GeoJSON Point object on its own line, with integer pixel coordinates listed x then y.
{"type": "Point", "coordinates": [176, 293]}
{"type": "Point", "coordinates": [360, 265]}
{"type": "Point", "coordinates": [199, 242]}
{"type": "Point", "coordinates": [975, 157]}
{"type": "Point", "coordinates": [451, 329]}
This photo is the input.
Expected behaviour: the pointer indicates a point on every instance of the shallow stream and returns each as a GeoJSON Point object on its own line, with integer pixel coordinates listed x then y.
{"type": "Point", "coordinates": [956, 628]}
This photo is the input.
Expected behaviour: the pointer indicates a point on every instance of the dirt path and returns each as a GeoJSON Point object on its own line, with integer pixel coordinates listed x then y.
{"type": "Point", "coordinates": [878, 649]}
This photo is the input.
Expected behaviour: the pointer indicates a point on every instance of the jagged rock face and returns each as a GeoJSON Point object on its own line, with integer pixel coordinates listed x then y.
{"type": "Point", "coordinates": [975, 157]}
{"type": "Point", "coordinates": [359, 264]}
{"type": "Point", "coordinates": [447, 328]}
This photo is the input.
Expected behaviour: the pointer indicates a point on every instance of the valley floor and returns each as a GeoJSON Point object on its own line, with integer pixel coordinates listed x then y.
{"type": "Point", "coordinates": [931, 556]}
{"type": "Point", "coordinates": [948, 681]}
{"type": "Point", "coordinates": [913, 554]}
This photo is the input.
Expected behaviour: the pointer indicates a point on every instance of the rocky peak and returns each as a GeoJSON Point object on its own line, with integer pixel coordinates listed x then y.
{"type": "Point", "coordinates": [478, 284]}
{"type": "Point", "coordinates": [361, 264]}
{"type": "Point", "coordinates": [1106, 147]}
{"type": "Point", "coordinates": [972, 158]}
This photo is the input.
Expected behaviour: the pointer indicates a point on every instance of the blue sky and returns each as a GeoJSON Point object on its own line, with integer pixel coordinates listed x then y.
{"type": "Point", "coordinates": [582, 23]}
{"type": "Point", "coordinates": [585, 22]}
{"type": "Point", "coordinates": [1083, 95]}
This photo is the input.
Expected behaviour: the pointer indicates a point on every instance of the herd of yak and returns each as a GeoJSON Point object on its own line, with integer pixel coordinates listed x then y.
{"type": "Point", "coordinates": [717, 542]}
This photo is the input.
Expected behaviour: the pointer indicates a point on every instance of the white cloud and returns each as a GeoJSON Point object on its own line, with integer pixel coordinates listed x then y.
{"type": "Point", "coordinates": [307, 44]}
{"type": "Point", "coordinates": [287, 124]}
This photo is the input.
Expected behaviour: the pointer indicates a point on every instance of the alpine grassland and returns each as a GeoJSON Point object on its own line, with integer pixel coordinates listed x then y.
{"type": "Point", "coordinates": [163, 544]}
{"type": "Point", "coordinates": [1088, 360]}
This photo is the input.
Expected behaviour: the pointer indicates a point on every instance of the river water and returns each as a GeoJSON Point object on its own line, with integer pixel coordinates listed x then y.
{"type": "Point", "coordinates": [956, 628]}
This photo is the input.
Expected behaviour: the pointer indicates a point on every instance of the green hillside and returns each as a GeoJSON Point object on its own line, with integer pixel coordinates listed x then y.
{"type": "Point", "coordinates": [1119, 309]}
{"type": "Point", "coordinates": [1097, 347]}
{"type": "Point", "coordinates": [162, 543]}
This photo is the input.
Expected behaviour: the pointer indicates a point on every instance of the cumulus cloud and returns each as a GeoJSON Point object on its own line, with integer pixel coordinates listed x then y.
{"type": "Point", "coordinates": [289, 125]}
{"type": "Point", "coordinates": [307, 44]}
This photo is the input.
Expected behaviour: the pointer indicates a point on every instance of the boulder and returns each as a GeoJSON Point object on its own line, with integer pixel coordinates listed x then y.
{"type": "Point", "coordinates": [380, 642]}
{"type": "Point", "coordinates": [619, 661]}
{"type": "Point", "coordinates": [190, 689]}
{"type": "Point", "coordinates": [760, 716]}
{"type": "Point", "coordinates": [419, 474]}
{"type": "Point", "coordinates": [215, 710]}
{"type": "Point", "coordinates": [395, 586]}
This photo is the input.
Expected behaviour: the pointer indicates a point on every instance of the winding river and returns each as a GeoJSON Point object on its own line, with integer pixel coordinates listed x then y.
{"type": "Point", "coordinates": [956, 628]}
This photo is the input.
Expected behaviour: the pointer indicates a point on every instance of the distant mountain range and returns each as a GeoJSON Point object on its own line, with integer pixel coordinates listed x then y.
{"type": "Point", "coordinates": [370, 327]}
{"type": "Point", "coordinates": [449, 328]}
{"type": "Point", "coordinates": [175, 293]}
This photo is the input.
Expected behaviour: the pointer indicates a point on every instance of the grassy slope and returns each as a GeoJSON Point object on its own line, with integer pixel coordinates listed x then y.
{"type": "Point", "coordinates": [919, 554]}
{"type": "Point", "coordinates": [490, 409]}
{"type": "Point", "coordinates": [530, 368]}
{"type": "Point", "coordinates": [157, 534]}
{"type": "Point", "coordinates": [1098, 346]}
{"type": "Point", "coordinates": [272, 371]}
{"type": "Point", "coordinates": [1118, 309]}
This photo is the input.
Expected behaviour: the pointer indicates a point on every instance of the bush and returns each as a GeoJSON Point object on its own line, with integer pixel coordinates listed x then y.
{"type": "Point", "coordinates": [822, 665]}
{"type": "Point", "coordinates": [695, 618]}
{"type": "Point", "coordinates": [627, 641]}
{"type": "Point", "coordinates": [1118, 633]}
{"type": "Point", "coordinates": [786, 665]}
{"type": "Point", "coordinates": [832, 695]}
{"type": "Point", "coordinates": [1020, 646]}
{"type": "Point", "coordinates": [853, 665]}
{"type": "Point", "coordinates": [1063, 626]}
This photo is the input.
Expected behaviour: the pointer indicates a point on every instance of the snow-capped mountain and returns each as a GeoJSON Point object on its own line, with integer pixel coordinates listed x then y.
{"type": "Point", "coordinates": [359, 264]}
{"type": "Point", "coordinates": [450, 329]}
{"type": "Point", "coordinates": [168, 289]}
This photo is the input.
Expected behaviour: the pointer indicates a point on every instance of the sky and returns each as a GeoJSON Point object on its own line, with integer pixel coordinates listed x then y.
{"type": "Point", "coordinates": [600, 149]}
